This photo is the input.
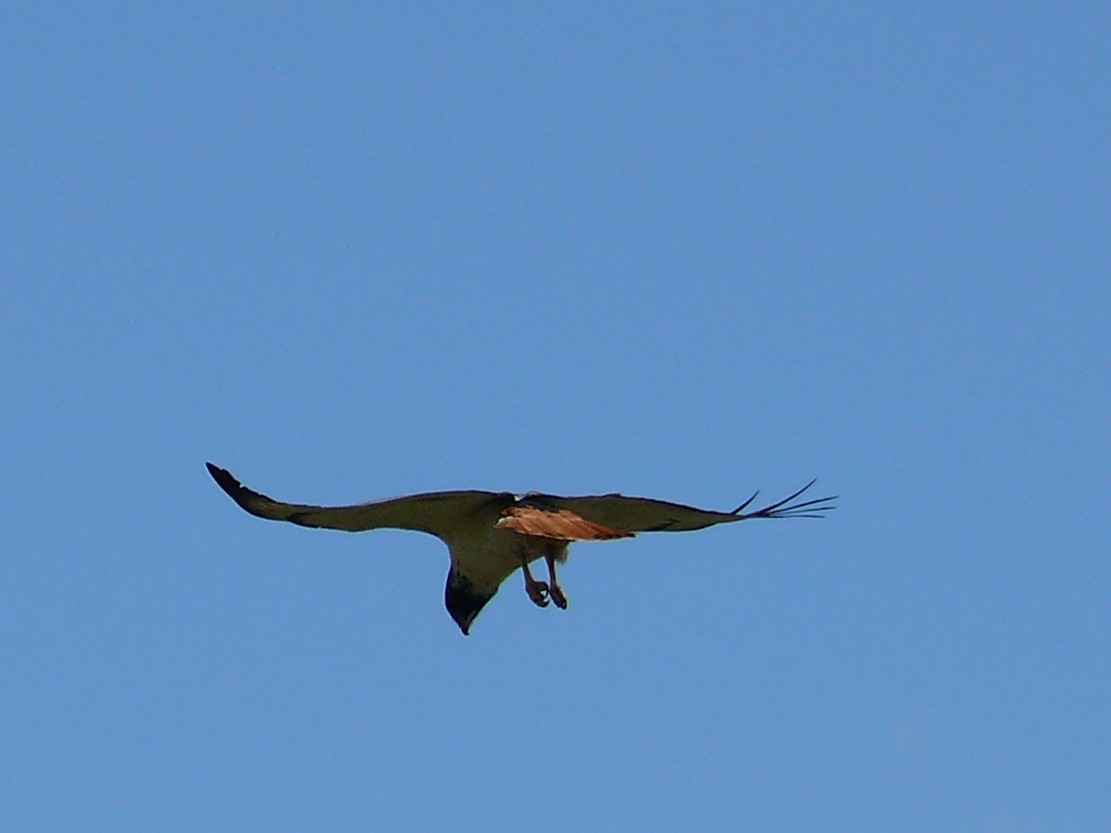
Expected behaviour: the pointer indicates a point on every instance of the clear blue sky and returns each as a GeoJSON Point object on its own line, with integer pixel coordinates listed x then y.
{"type": "Point", "coordinates": [675, 250]}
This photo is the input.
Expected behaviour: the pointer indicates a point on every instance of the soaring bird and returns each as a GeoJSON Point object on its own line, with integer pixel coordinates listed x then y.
{"type": "Point", "coordinates": [489, 535]}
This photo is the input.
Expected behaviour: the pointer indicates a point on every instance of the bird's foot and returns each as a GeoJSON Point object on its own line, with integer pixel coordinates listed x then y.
{"type": "Point", "coordinates": [538, 592]}
{"type": "Point", "coordinates": [558, 596]}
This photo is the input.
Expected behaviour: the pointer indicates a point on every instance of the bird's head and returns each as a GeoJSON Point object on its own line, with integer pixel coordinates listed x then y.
{"type": "Point", "coordinates": [464, 599]}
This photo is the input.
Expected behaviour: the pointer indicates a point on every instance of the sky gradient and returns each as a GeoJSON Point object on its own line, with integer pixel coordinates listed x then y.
{"type": "Point", "coordinates": [683, 252]}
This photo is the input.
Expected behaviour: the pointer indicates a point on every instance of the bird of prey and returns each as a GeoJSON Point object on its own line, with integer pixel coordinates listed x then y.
{"type": "Point", "coordinates": [489, 535]}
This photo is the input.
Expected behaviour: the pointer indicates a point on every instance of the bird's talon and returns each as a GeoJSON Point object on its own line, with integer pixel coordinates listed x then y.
{"type": "Point", "coordinates": [558, 596]}
{"type": "Point", "coordinates": [538, 592]}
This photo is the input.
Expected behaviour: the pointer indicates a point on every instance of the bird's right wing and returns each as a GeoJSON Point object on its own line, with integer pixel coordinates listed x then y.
{"type": "Point", "coordinates": [437, 513]}
{"type": "Point", "coordinates": [640, 514]}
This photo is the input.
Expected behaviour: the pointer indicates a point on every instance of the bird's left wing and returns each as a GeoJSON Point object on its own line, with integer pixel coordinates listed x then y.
{"type": "Point", "coordinates": [641, 514]}
{"type": "Point", "coordinates": [437, 513]}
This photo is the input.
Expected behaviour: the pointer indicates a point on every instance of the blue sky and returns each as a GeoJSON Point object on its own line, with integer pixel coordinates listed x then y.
{"type": "Point", "coordinates": [661, 249]}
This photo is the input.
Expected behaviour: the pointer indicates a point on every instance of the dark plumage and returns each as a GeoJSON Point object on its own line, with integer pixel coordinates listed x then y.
{"type": "Point", "coordinates": [489, 535]}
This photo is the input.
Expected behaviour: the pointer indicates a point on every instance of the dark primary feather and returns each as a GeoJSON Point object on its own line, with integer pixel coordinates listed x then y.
{"type": "Point", "coordinates": [812, 508]}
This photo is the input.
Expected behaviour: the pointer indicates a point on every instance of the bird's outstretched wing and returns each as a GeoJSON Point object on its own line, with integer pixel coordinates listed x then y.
{"type": "Point", "coordinates": [437, 513]}
{"type": "Point", "coordinates": [640, 514]}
